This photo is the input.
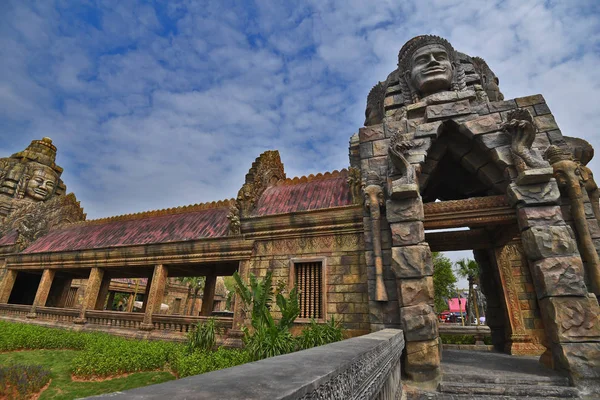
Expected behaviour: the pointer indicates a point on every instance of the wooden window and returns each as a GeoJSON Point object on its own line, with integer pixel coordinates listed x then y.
{"type": "Point", "coordinates": [308, 277]}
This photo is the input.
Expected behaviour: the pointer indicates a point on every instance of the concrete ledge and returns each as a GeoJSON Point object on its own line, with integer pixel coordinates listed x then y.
{"type": "Point", "coordinates": [365, 367]}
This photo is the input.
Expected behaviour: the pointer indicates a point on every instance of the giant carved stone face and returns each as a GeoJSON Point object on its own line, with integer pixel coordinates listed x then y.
{"type": "Point", "coordinates": [41, 185]}
{"type": "Point", "coordinates": [431, 70]}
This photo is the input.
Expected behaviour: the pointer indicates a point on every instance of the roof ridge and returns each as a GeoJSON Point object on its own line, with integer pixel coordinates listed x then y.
{"type": "Point", "coordinates": [312, 177]}
{"type": "Point", "coordinates": [160, 212]}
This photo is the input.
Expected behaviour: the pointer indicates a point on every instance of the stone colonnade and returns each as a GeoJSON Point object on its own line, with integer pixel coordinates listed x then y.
{"type": "Point", "coordinates": [97, 290]}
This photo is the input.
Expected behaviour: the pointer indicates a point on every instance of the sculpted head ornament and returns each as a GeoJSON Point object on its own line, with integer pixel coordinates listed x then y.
{"type": "Point", "coordinates": [428, 64]}
{"type": "Point", "coordinates": [41, 184]}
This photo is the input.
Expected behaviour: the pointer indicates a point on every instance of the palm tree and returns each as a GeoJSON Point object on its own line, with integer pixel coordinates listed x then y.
{"type": "Point", "coordinates": [194, 284]}
{"type": "Point", "coordinates": [469, 269]}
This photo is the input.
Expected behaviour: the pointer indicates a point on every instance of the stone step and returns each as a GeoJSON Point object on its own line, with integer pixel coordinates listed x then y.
{"type": "Point", "coordinates": [468, 388]}
{"type": "Point", "coordinates": [450, 396]}
{"type": "Point", "coordinates": [507, 379]}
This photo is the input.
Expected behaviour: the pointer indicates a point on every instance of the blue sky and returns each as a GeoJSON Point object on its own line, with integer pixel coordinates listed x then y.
{"type": "Point", "coordinates": [158, 104]}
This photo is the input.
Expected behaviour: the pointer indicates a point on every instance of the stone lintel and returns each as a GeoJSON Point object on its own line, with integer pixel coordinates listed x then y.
{"type": "Point", "coordinates": [447, 110]}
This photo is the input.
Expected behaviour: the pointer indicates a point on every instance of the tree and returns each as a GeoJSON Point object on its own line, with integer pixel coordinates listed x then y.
{"type": "Point", "coordinates": [194, 284]}
{"type": "Point", "coordinates": [469, 269]}
{"type": "Point", "coordinates": [443, 281]}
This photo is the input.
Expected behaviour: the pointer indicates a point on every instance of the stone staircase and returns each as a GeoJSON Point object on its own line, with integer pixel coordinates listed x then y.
{"type": "Point", "coordinates": [490, 376]}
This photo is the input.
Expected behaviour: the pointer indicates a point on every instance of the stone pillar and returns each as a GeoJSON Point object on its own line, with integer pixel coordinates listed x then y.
{"type": "Point", "coordinates": [110, 300]}
{"type": "Point", "coordinates": [43, 290]}
{"type": "Point", "coordinates": [6, 286]}
{"type": "Point", "coordinates": [146, 293]}
{"type": "Point", "coordinates": [208, 296]}
{"type": "Point", "coordinates": [63, 292]}
{"type": "Point", "coordinates": [569, 312]}
{"type": "Point", "coordinates": [102, 293]}
{"type": "Point", "coordinates": [155, 295]}
{"type": "Point", "coordinates": [90, 298]}
{"type": "Point", "coordinates": [413, 266]}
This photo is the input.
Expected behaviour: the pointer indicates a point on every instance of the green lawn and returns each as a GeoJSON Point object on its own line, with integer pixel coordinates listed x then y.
{"type": "Point", "coordinates": [62, 387]}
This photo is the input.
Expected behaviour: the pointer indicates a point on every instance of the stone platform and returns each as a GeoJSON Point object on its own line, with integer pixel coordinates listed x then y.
{"type": "Point", "coordinates": [490, 375]}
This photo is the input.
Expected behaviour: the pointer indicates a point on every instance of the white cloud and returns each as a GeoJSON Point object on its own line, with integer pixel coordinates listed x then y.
{"type": "Point", "coordinates": [153, 108]}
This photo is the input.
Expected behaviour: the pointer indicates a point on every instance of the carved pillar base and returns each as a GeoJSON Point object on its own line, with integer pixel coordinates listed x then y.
{"type": "Point", "coordinates": [7, 284]}
{"type": "Point", "coordinates": [155, 295]}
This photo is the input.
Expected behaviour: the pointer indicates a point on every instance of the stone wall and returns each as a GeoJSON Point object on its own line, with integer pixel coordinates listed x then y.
{"type": "Point", "coordinates": [342, 255]}
{"type": "Point", "coordinates": [366, 367]}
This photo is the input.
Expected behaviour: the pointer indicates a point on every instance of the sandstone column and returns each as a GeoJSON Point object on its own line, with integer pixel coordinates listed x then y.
{"type": "Point", "coordinates": [43, 290]}
{"type": "Point", "coordinates": [102, 292]}
{"type": "Point", "coordinates": [7, 284]}
{"type": "Point", "coordinates": [64, 293]}
{"type": "Point", "coordinates": [110, 300]}
{"type": "Point", "coordinates": [146, 292]}
{"type": "Point", "coordinates": [208, 296]}
{"type": "Point", "coordinates": [90, 297]}
{"type": "Point", "coordinates": [155, 295]}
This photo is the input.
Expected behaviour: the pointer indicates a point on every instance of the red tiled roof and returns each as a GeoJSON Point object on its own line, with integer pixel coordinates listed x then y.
{"type": "Point", "coordinates": [10, 238]}
{"type": "Point", "coordinates": [306, 193]}
{"type": "Point", "coordinates": [174, 225]}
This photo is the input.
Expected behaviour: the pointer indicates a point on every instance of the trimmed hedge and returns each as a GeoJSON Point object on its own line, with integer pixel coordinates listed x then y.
{"type": "Point", "coordinates": [15, 336]}
{"type": "Point", "coordinates": [199, 362]}
{"type": "Point", "coordinates": [463, 339]}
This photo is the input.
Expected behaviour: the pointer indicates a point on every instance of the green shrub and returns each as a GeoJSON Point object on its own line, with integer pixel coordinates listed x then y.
{"type": "Point", "coordinates": [186, 364]}
{"type": "Point", "coordinates": [112, 356]}
{"type": "Point", "coordinates": [17, 336]}
{"type": "Point", "coordinates": [319, 334]}
{"type": "Point", "coordinates": [269, 341]}
{"type": "Point", "coordinates": [458, 339]}
{"type": "Point", "coordinates": [202, 337]}
{"type": "Point", "coordinates": [19, 381]}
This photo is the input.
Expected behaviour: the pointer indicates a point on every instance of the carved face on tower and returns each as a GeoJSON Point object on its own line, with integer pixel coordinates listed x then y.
{"type": "Point", "coordinates": [431, 70]}
{"type": "Point", "coordinates": [41, 184]}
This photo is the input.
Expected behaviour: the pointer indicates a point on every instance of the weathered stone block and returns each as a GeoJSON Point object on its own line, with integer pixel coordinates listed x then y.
{"type": "Point", "coordinates": [366, 150]}
{"type": "Point", "coordinates": [537, 194]}
{"type": "Point", "coordinates": [412, 292]}
{"type": "Point", "coordinates": [539, 216]}
{"type": "Point", "coordinates": [380, 147]}
{"type": "Point", "coordinates": [404, 210]}
{"type": "Point", "coordinates": [535, 175]}
{"type": "Point", "coordinates": [474, 160]}
{"type": "Point", "coordinates": [422, 360]}
{"type": "Point", "coordinates": [490, 173]}
{"type": "Point", "coordinates": [545, 122]}
{"type": "Point", "coordinates": [448, 110]}
{"type": "Point", "coordinates": [373, 132]}
{"type": "Point", "coordinates": [391, 128]}
{"type": "Point", "coordinates": [399, 190]}
{"type": "Point", "coordinates": [429, 129]}
{"type": "Point", "coordinates": [571, 319]}
{"type": "Point", "coordinates": [442, 97]}
{"type": "Point", "coordinates": [582, 360]}
{"type": "Point", "coordinates": [416, 110]}
{"type": "Point", "coordinates": [541, 109]}
{"type": "Point", "coordinates": [412, 261]}
{"type": "Point", "coordinates": [481, 125]}
{"type": "Point", "coordinates": [530, 100]}
{"type": "Point", "coordinates": [494, 139]}
{"type": "Point", "coordinates": [498, 106]}
{"type": "Point", "coordinates": [503, 157]}
{"type": "Point", "coordinates": [541, 141]}
{"type": "Point", "coordinates": [468, 93]}
{"type": "Point", "coordinates": [407, 233]}
{"type": "Point", "coordinates": [419, 323]}
{"type": "Point", "coordinates": [559, 276]}
{"type": "Point", "coordinates": [548, 241]}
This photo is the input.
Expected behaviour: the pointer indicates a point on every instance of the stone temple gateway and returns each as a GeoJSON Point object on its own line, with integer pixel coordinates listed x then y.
{"type": "Point", "coordinates": [441, 148]}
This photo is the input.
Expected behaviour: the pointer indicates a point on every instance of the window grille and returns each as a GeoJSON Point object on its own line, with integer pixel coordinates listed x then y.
{"type": "Point", "coordinates": [309, 280]}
